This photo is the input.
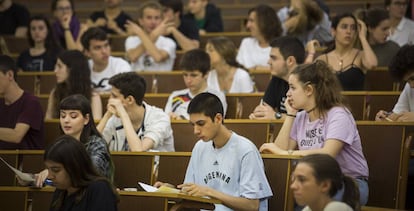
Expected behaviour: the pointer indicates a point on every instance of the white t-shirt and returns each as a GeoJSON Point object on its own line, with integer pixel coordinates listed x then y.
{"type": "Point", "coordinates": [242, 83]}
{"type": "Point", "coordinates": [145, 62]}
{"type": "Point", "coordinates": [405, 102]}
{"type": "Point", "coordinates": [179, 100]}
{"type": "Point", "coordinates": [404, 33]}
{"type": "Point", "coordinates": [235, 169]}
{"type": "Point", "coordinates": [251, 54]}
{"type": "Point", "coordinates": [156, 126]}
{"type": "Point", "coordinates": [100, 79]}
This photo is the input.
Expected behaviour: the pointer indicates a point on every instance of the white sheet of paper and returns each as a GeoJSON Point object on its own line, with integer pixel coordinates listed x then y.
{"type": "Point", "coordinates": [23, 176]}
{"type": "Point", "coordinates": [148, 188]}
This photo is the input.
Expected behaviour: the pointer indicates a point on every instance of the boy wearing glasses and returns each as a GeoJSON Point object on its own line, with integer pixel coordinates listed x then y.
{"type": "Point", "coordinates": [402, 28]}
{"type": "Point", "coordinates": [148, 49]}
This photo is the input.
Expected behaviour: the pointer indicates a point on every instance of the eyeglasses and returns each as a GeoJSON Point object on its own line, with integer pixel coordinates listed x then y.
{"type": "Point", "coordinates": [400, 3]}
{"type": "Point", "coordinates": [62, 9]}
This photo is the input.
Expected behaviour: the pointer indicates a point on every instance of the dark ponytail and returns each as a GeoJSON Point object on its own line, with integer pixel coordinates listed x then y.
{"type": "Point", "coordinates": [351, 193]}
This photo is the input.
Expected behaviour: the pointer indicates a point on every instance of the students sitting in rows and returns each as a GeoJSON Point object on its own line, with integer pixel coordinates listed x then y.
{"type": "Point", "coordinates": [196, 64]}
{"type": "Point", "coordinates": [103, 66]}
{"type": "Point", "coordinates": [129, 123]}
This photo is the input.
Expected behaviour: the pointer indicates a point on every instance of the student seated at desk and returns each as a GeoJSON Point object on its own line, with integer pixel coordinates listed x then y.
{"type": "Point", "coordinates": [78, 186]}
{"type": "Point", "coordinates": [223, 164]}
{"type": "Point", "coordinates": [76, 120]}
{"type": "Point", "coordinates": [130, 124]}
{"type": "Point", "coordinates": [324, 124]}
{"type": "Point", "coordinates": [73, 76]}
{"type": "Point", "coordinates": [315, 181]}
{"type": "Point", "coordinates": [402, 68]}
{"type": "Point", "coordinates": [196, 64]}
{"type": "Point", "coordinates": [21, 116]}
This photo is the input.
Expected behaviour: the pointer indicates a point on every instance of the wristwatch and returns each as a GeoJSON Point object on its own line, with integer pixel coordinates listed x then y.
{"type": "Point", "coordinates": [278, 115]}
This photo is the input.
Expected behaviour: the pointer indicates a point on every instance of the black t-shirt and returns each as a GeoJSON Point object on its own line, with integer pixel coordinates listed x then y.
{"type": "Point", "coordinates": [43, 62]}
{"type": "Point", "coordinates": [98, 196]}
{"type": "Point", "coordinates": [120, 20]}
{"type": "Point", "coordinates": [12, 18]}
{"type": "Point", "coordinates": [188, 28]}
{"type": "Point", "coordinates": [275, 94]}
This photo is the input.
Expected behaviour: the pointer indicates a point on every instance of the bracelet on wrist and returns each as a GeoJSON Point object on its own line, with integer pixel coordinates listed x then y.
{"type": "Point", "coordinates": [291, 115]}
{"type": "Point", "coordinates": [66, 29]}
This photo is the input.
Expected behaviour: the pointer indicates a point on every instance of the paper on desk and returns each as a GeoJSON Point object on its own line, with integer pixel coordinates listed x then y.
{"type": "Point", "coordinates": [163, 189]}
{"type": "Point", "coordinates": [148, 188]}
{"type": "Point", "coordinates": [23, 176]}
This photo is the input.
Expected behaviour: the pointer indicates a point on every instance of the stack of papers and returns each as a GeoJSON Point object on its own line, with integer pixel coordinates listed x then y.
{"type": "Point", "coordinates": [164, 189]}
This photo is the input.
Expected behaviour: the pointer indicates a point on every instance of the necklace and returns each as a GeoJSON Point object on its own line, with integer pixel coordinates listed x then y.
{"type": "Point", "coordinates": [341, 59]}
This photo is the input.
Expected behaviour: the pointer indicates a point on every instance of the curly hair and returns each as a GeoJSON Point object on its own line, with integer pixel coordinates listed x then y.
{"type": "Point", "coordinates": [326, 85]}
{"type": "Point", "coordinates": [267, 21]}
{"type": "Point", "coordinates": [402, 63]}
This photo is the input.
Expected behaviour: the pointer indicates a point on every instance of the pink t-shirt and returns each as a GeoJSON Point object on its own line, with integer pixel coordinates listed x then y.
{"type": "Point", "coordinates": [338, 124]}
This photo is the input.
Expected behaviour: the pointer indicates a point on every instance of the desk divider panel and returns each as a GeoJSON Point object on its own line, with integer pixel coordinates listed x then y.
{"type": "Point", "coordinates": [132, 167]}
{"type": "Point", "coordinates": [258, 131]}
{"type": "Point", "coordinates": [11, 199]}
{"type": "Point", "coordinates": [278, 170]}
{"type": "Point", "coordinates": [7, 176]}
{"type": "Point", "coordinates": [173, 166]}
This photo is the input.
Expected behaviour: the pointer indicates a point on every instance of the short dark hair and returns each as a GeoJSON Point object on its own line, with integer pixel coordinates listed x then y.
{"type": "Point", "coordinates": [130, 84]}
{"type": "Point", "coordinates": [93, 33]}
{"type": "Point", "coordinates": [196, 59]}
{"type": "Point", "coordinates": [206, 103]}
{"type": "Point", "coordinates": [148, 4]}
{"type": "Point", "coordinates": [402, 63]}
{"type": "Point", "coordinates": [7, 64]}
{"type": "Point", "coordinates": [175, 5]}
{"type": "Point", "coordinates": [81, 103]}
{"type": "Point", "coordinates": [289, 46]}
